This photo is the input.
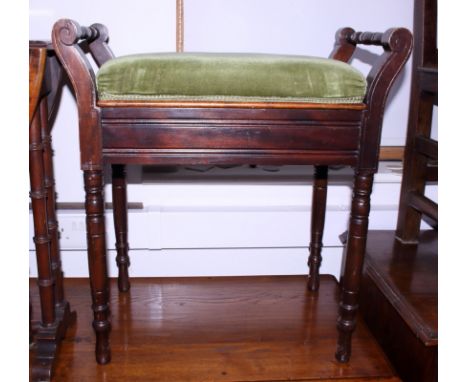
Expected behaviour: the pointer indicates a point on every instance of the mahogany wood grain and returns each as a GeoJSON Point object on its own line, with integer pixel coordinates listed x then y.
{"type": "Point", "coordinates": [182, 157]}
{"type": "Point", "coordinates": [178, 134]}
{"type": "Point", "coordinates": [137, 135]}
{"type": "Point", "coordinates": [218, 329]}
{"type": "Point", "coordinates": [119, 196]}
{"type": "Point", "coordinates": [49, 187]}
{"type": "Point", "coordinates": [391, 153]}
{"type": "Point", "coordinates": [41, 235]}
{"type": "Point", "coordinates": [423, 97]}
{"type": "Point", "coordinates": [319, 206]}
{"type": "Point", "coordinates": [37, 63]}
{"type": "Point", "coordinates": [401, 284]}
{"type": "Point", "coordinates": [423, 204]}
{"type": "Point", "coordinates": [427, 147]}
{"type": "Point", "coordinates": [354, 258]}
{"type": "Point", "coordinates": [97, 261]}
{"type": "Point", "coordinates": [55, 316]}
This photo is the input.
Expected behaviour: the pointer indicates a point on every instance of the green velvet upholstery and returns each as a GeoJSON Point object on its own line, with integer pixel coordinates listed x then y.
{"type": "Point", "coordinates": [230, 77]}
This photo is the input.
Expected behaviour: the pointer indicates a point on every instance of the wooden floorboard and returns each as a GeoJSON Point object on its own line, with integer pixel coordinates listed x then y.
{"type": "Point", "coordinates": [217, 329]}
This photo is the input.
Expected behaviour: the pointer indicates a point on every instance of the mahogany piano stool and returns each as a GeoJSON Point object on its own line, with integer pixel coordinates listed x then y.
{"type": "Point", "coordinates": [228, 109]}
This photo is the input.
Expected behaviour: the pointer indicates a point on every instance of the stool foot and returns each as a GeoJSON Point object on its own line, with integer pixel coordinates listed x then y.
{"type": "Point", "coordinates": [103, 352]}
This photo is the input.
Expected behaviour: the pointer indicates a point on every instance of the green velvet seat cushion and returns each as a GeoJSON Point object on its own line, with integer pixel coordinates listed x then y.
{"type": "Point", "coordinates": [228, 77]}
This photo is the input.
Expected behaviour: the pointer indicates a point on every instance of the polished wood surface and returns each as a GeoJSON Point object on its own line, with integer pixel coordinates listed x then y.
{"type": "Point", "coordinates": [218, 329]}
{"type": "Point", "coordinates": [319, 206]}
{"type": "Point", "coordinates": [393, 153]}
{"type": "Point", "coordinates": [400, 277]}
{"type": "Point", "coordinates": [400, 284]}
{"type": "Point", "coordinates": [409, 274]}
{"type": "Point", "coordinates": [55, 316]}
{"type": "Point", "coordinates": [120, 207]}
{"type": "Point", "coordinates": [420, 150]}
{"type": "Point", "coordinates": [146, 134]}
{"type": "Point", "coordinates": [37, 63]}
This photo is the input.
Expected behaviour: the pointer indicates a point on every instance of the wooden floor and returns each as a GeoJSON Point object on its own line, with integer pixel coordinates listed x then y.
{"type": "Point", "coordinates": [217, 329]}
{"type": "Point", "coordinates": [399, 301]}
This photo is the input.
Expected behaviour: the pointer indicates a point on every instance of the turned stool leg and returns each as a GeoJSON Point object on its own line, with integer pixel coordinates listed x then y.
{"type": "Point", "coordinates": [355, 250]}
{"type": "Point", "coordinates": [97, 262]}
{"type": "Point", "coordinates": [49, 184]}
{"type": "Point", "coordinates": [119, 202]}
{"type": "Point", "coordinates": [319, 205]}
{"type": "Point", "coordinates": [41, 234]}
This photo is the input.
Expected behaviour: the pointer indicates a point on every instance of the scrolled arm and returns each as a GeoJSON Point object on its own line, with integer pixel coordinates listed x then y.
{"type": "Point", "coordinates": [70, 32]}
{"type": "Point", "coordinates": [66, 38]}
{"type": "Point", "coordinates": [397, 45]}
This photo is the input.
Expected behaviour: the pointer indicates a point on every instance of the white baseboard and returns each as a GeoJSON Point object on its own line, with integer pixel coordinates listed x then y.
{"type": "Point", "coordinates": [210, 229]}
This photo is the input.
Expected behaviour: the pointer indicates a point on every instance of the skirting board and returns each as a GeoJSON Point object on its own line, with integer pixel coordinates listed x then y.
{"type": "Point", "coordinates": [205, 262]}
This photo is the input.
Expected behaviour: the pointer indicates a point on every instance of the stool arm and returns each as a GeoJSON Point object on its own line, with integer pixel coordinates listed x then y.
{"type": "Point", "coordinates": [397, 44]}
{"type": "Point", "coordinates": [66, 38]}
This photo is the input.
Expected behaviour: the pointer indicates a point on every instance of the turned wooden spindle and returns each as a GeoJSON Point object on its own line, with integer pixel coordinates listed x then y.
{"type": "Point", "coordinates": [49, 185]}
{"type": "Point", "coordinates": [355, 250]}
{"type": "Point", "coordinates": [119, 199]}
{"type": "Point", "coordinates": [94, 206]}
{"type": "Point", "coordinates": [41, 235]}
{"type": "Point", "coordinates": [319, 204]}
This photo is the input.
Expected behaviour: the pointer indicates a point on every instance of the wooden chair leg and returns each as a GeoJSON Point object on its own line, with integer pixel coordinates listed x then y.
{"type": "Point", "coordinates": [319, 202]}
{"type": "Point", "coordinates": [99, 280]}
{"type": "Point", "coordinates": [119, 202]}
{"type": "Point", "coordinates": [355, 250]}
{"type": "Point", "coordinates": [52, 225]}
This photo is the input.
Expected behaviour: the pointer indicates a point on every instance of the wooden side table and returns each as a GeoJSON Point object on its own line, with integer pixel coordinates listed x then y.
{"type": "Point", "coordinates": [44, 86]}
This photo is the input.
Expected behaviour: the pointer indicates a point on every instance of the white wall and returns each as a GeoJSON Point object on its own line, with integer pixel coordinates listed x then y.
{"type": "Point", "coordinates": [135, 26]}
{"type": "Point", "coordinates": [236, 223]}
{"type": "Point", "coordinates": [275, 26]}
{"type": "Point", "coordinates": [301, 27]}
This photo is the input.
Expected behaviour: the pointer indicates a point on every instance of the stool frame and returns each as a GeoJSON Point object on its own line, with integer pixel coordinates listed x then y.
{"type": "Point", "coordinates": [224, 133]}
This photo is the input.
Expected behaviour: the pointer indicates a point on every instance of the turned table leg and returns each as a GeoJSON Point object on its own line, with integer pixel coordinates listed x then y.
{"type": "Point", "coordinates": [46, 343]}
{"type": "Point", "coordinates": [97, 262]}
{"type": "Point", "coordinates": [41, 234]}
{"type": "Point", "coordinates": [319, 205]}
{"type": "Point", "coordinates": [355, 250]}
{"type": "Point", "coordinates": [119, 202]}
{"type": "Point", "coordinates": [52, 225]}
